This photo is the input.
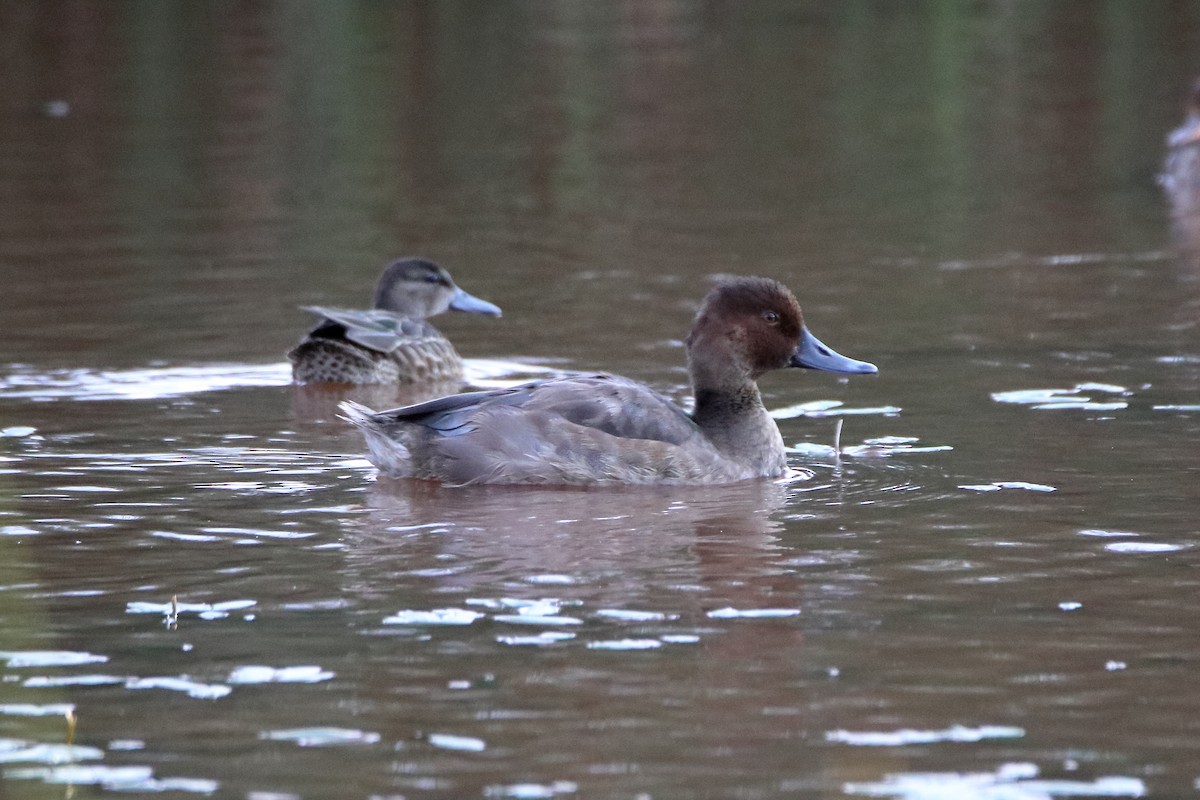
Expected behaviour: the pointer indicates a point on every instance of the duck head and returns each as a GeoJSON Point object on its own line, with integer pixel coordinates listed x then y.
{"type": "Point", "coordinates": [749, 326]}
{"type": "Point", "coordinates": [416, 288]}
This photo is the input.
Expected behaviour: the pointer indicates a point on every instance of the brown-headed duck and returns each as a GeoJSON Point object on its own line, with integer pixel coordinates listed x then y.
{"type": "Point", "coordinates": [392, 342]}
{"type": "Point", "coordinates": [605, 429]}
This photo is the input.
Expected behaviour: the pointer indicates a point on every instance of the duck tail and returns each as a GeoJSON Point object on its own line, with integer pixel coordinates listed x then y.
{"type": "Point", "coordinates": [358, 415]}
{"type": "Point", "coordinates": [388, 453]}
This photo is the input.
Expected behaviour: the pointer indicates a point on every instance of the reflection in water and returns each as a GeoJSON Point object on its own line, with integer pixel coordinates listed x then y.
{"type": "Point", "coordinates": [23, 382]}
{"type": "Point", "coordinates": [578, 542]}
{"type": "Point", "coordinates": [698, 581]}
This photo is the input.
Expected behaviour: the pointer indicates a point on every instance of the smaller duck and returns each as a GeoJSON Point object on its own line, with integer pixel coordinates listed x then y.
{"type": "Point", "coordinates": [392, 342]}
{"type": "Point", "coordinates": [605, 429]}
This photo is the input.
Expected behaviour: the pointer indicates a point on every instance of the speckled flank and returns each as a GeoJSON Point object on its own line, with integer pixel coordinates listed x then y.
{"type": "Point", "coordinates": [337, 361]}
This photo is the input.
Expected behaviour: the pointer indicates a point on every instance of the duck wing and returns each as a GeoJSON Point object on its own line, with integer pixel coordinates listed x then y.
{"type": "Point", "coordinates": [375, 329]}
{"type": "Point", "coordinates": [607, 403]}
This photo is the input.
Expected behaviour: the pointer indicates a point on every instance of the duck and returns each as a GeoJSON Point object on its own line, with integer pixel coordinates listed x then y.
{"type": "Point", "coordinates": [391, 343]}
{"type": "Point", "coordinates": [603, 429]}
{"type": "Point", "coordinates": [1180, 177]}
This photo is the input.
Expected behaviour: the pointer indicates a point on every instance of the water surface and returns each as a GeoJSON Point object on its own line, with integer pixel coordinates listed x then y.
{"type": "Point", "coordinates": [990, 592]}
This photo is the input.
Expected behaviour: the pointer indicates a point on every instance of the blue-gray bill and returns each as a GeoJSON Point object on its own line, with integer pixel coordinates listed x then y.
{"type": "Point", "coordinates": [461, 301]}
{"type": "Point", "coordinates": [813, 354]}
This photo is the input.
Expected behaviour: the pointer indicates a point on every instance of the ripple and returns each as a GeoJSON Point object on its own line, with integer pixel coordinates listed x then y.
{"type": "Point", "coordinates": [219, 610]}
{"type": "Point", "coordinates": [625, 644]}
{"type": "Point", "coordinates": [1017, 260]}
{"type": "Point", "coordinates": [253, 674]}
{"type": "Point", "coordinates": [201, 691]}
{"type": "Point", "coordinates": [1142, 547]}
{"type": "Point", "coordinates": [1009, 782]}
{"type": "Point", "coordinates": [905, 736]}
{"type": "Point", "coordinates": [536, 640]}
{"type": "Point", "coordinates": [16, 431]}
{"type": "Point", "coordinates": [816, 409]}
{"type": "Point", "coordinates": [891, 446]}
{"type": "Point", "coordinates": [321, 736]}
{"type": "Point", "coordinates": [49, 658]}
{"type": "Point", "coordinates": [537, 619]}
{"type": "Point", "coordinates": [752, 613]}
{"type": "Point", "coordinates": [1000, 485]}
{"type": "Point", "coordinates": [150, 383]}
{"type": "Point", "coordinates": [32, 710]}
{"type": "Point", "coordinates": [122, 779]}
{"type": "Point", "coordinates": [532, 791]}
{"type": "Point", "coordinates": [14, 751]}
{"type": "Point", "coordinates": [160, 382]}
{"type": "Point", "coordinates": [437, 616]}
{"type": "Point", "coordinates": [259, 533]}
{"type": "Point", "coordinates": [49, 682]}
{"type": "Point", "coordinates": [627, 615]}
{"type": "Point", "coordinates": [450, 741]}
{"type": "Point", "coordinates": [1078, 397]}
{"type": "Point", "coordinates": [488, 373]}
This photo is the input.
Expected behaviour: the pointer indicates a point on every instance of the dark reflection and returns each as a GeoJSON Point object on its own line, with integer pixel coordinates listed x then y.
{"type": "Point", "coordinates": [600, 541]}
{"type": "Point", "coordinates": [693, 557]}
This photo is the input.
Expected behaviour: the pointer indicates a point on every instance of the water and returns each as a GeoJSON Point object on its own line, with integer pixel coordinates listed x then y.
{"type": "Point", "coordinates": [990, 593]}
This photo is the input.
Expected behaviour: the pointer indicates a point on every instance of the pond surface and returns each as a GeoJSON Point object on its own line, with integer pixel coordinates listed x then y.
{"type": "Point", "coordinates": [993, 592]}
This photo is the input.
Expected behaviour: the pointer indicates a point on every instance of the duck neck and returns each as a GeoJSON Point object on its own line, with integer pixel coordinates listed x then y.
{"type": "Point", "coordinates": [737, 424]}
{"type": "Point", "coordinates": [726, 395]}
{"type": "Point", "coordinates": [729, 409]}
{"type": "Point", "coordinates": [726, 406]}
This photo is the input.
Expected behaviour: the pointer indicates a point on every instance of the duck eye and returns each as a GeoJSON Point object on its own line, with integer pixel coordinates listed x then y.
{"type": "Point", "coordinates": [771, 317]}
